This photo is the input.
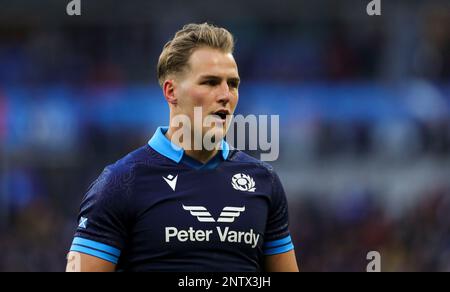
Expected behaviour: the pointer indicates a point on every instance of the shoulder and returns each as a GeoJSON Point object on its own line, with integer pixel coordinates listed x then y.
{"type": "Point", "coordinates": [118, 178]}
{"type": "Point", "coordinates": [131, 164]}
{"type": "Point", "coordinates": [238, 156]}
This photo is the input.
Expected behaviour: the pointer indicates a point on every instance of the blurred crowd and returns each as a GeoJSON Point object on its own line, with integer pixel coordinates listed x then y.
{"type": "Point", "coordinates": [331, 45]}
{"type": "Point", "coordinates": [338, 237]}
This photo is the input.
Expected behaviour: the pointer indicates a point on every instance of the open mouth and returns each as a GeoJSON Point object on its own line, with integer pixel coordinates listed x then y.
{"type": "Point", "coordinates": [222, 114]}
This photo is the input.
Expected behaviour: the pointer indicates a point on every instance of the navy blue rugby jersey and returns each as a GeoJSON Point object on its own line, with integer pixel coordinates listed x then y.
{"type": "Point", "coordinates": [157, 209]}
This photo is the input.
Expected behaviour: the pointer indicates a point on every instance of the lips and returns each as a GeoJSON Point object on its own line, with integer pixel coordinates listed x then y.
{"type": "Point", "coordinates": [222, 113]}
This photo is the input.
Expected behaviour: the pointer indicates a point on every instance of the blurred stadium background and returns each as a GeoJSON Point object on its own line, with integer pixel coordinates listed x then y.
{"type": "Point", "coordinates": [364, 105]}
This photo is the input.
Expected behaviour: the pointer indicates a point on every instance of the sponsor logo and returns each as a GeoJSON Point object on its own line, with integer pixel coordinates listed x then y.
{"type": "Point", "coordinates": [225, 235]}
{"type": "Point", "coordinates": [228, 215]}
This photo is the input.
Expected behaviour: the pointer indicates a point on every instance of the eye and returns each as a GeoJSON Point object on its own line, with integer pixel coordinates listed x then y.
{"type": "Point", "coordinates": [210, 82]}
{"type": "Point", "coordinates": [233, 84]}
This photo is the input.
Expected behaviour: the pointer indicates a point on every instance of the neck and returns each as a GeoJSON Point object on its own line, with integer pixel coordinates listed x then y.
{"type": "Point", "coordinates": [202, 155]}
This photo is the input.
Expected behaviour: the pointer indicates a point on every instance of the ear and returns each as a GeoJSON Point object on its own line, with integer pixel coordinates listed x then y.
{"type": "Point", "coordinates": [169, 91]}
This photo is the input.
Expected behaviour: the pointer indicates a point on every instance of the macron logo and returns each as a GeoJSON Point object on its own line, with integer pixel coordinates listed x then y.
{"type": "Point", "coordinates": [228, 214]}
{"type": "Point", "coordinates": [171, 181]}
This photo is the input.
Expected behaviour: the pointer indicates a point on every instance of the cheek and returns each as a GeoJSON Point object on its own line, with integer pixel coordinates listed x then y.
{"type": "Point", "coordinates": [234, 101]}
{"type": "Point", "coordinates": [198, 96]}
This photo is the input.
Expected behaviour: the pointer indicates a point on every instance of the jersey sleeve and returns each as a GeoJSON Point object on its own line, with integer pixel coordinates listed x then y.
{"type": "Point", "coordinates": [104, 217]}
{"type": "Point", "coordinates": [277, 237]}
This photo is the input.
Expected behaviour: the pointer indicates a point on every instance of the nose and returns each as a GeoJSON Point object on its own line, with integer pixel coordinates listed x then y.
{"type": "Point", "coordinates": [224, 94]}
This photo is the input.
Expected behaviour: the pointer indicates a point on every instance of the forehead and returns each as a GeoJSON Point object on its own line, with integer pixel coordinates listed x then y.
{"type": "Point", "coordinates": [208, 61]}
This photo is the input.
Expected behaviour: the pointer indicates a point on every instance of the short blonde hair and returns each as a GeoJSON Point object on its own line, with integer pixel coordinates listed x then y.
{"type": "Point", "coordinates": [176, 53]}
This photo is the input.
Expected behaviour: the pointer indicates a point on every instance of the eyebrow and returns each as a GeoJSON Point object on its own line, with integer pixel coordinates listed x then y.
{"type": "Point", "coordinates": [235, 79]}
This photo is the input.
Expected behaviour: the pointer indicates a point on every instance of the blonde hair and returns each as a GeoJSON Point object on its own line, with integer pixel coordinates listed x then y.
{"type": "Point", "coordinates": [176, 53]}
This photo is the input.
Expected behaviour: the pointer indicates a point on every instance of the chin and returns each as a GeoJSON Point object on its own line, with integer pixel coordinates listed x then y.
{"type": "Point", "coordinates": [218, 133]}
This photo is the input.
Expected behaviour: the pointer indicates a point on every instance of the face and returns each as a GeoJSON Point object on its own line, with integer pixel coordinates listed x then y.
{"type": "Point", "coordinates": [211, 82]}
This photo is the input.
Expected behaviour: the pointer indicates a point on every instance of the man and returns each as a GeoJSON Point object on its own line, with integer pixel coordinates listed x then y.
{"type": "Point", "coordinates": [172, 206]}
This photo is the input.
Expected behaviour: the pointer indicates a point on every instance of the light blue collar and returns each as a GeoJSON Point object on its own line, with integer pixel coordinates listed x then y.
{"type": "Point", "coordinates": [165, 147]}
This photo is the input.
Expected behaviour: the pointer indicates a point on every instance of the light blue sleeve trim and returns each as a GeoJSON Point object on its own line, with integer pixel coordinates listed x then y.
{"type": "Point", "coordinates": [279, 250]}
{"type": "Point", "coordinates": [95, 253]}
{"type": "Point", "coordinates": [279, 242]}
{"type": "Point", "coordinates": [96, 245]}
